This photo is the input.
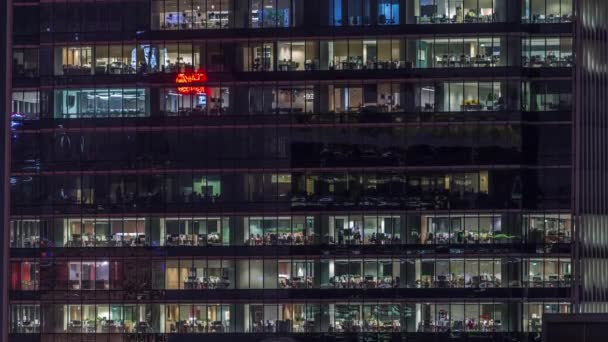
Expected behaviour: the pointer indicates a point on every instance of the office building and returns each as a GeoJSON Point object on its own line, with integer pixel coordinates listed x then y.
{"type": "Point", "coordinates": [313, 169]}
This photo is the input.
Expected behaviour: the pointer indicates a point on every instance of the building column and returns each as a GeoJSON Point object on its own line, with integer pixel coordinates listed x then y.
{"type": "Point", "coordinates": [237, 236]}
{"type": "Point", "coordinates": [6, 94]}
{"type": "Point", "coordinates": [409, 12]}
{"type": "Point", "coordinates": [513, 12]}
{"type": "Point", "coordinates": [241, 13]}
{"type": "Point", "coordinates": [154, 98]}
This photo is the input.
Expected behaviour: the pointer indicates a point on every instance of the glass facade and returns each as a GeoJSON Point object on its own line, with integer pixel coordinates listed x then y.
{"type": "Point", "coordinates": [194, 273]}
{"type": "Point", "coordinates": [355, 228]}
{"type": "Point", "coordinates": [291, 317]}
{"type": "Point", "coordinates": [382, 169]}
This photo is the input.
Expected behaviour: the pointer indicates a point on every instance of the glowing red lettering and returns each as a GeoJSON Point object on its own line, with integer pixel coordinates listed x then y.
{"type": "Point", "coordinates": [185, 82]}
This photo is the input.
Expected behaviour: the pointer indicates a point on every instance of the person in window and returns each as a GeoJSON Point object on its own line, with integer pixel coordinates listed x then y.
{"type": "Point", "coordinates": [65, 143]}
{"type": "Point", "coordinates": [396, 282]}
{"type": "Point", "coordinates": [460, 237]}
{"type": "Point", "coordinates": [470, 237]}
{"type": "Point", "coordinates": [118, 193]}
{"type": "Point", "coordinates": [357, 235]}
{"type": "Point", "coordinates": [500, 104]}
{"type": "Point", "coordinates": [62, 195]}
{"type": "Point", "coordinates": [143, 67]}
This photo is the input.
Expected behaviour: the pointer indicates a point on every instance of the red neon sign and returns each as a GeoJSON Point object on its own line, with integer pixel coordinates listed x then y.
{"type": "Point", "coordinates": [185, 83]}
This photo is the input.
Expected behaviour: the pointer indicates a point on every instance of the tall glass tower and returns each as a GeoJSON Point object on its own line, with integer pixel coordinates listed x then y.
{"type": "Point", "coordinates": [308, 169]}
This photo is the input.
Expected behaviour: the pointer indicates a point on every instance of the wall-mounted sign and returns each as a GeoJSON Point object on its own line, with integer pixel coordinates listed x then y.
{"type": "Point", "coordinates": [190, 83]}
